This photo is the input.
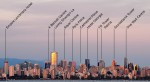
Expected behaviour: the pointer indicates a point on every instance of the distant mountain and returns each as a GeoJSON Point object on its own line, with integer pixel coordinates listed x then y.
{"type": "Point", "coordinates": [14, 61]}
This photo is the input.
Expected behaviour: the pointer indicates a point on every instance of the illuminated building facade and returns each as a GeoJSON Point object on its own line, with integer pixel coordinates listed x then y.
{"type": "Point", "coordinates": [54, 57]}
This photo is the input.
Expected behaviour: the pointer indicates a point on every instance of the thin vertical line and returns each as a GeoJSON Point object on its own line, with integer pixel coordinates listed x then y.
{"type": "Point", "coordinates": [114, 43]}
{"type": "Point", "coordinates": [64, 43]}
{"type": "Point", "coordinates": [80, 45]}
{"type": "Point", "coordinates": [97, 45]}
{"type": "Point", "coordinates": [54, 39]}
{"type": "Point", "coordinates": [101, 44]}
{"type": "Point", "coordinates": [5, 44]}
{"type": "Point", "coordinates": [72, 44]}
{"type": "Point", "coordinates": [48, 44]}
{"type": "Point", "coordinates": [126, 42]}
{"type": "Point", "coordinates": [87, 43]}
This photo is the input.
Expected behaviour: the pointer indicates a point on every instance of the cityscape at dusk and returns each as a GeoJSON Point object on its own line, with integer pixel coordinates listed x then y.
{"type": "Point", "coordinates": [74, 40]}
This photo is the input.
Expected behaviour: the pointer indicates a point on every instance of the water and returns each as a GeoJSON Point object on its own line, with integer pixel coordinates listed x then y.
{"type": "Point", "coordinates": [71, 81]}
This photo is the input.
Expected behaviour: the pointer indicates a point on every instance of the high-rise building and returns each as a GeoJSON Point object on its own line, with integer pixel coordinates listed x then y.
{"type": "Point", "coordinates": [113, 63]}
{"type": "Point", "coordinates": [64, 64]}
{"type": "Point", "coordinates": [54, 57]}
{"type": "Point", "coordinates": [101, 64]}
{"type": "Point", "coordinates": [6, 67]}
{"type": "Point", "coordinates": [45, 73]}
{"type": "Point", "coordinates": [47, 64]}
{"type": "Point", "coordinates": [130, 67]}
{"type": "Point", "coordinates": [53, 74]}
{"type": "Point", "coordinates": [36, 70]}
{"type": "Point", "coordinates": [18, 69]}
{"type": "Point", "coordinates": [11, 71]}
{"type": "Point", "coordinates": [87, 63]}
{"type": "Point", "coordinates": [72, 64]}
{"type": "Point", "coordinates": [125, 62]}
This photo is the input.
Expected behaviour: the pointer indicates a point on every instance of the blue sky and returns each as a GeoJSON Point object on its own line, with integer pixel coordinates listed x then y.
{"type": "Point", "coordinates": [27, 38]}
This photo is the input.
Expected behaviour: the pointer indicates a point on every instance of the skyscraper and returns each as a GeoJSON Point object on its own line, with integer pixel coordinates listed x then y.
{"type": "Point", "coordinates": [64, 64]}
{"type": "Point", "coordinates": [87, 63]}
{"type": "Point", "coordinates": [130, 67]}
{"type": "Point", "coordinates": [11, 71]}
{"type": "Point", "coordinates": [125, 62]}
{"type": "Point", "coordinates": [6, 67]}
{"type": "Point", "coordinates": [54, 57]}
{"type": "Point", "coordinates": [47, 64]}
{"type": "Point", "coordinates": [113, 63]}
{"type": "Point", "coordinates": [101, 64]}
{"type": "Point", "coordinates": [18, 69]}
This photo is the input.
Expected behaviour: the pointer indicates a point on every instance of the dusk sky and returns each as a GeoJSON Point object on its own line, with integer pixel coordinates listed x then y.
{"type": "Point", "coordinates": [27, 37]}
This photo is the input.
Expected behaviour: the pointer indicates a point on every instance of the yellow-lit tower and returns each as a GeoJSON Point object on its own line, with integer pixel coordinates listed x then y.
{"type": "Point", "coordinates": [54, 58]}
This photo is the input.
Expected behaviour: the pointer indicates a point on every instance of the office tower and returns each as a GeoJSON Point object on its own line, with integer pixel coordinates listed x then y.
{"type": "Point", "coordinates": [54, 57]}
{"type": "Point", "coordinates": [18, 69]}
{"type": "Point", "coordinates": [6, 67]}
{"type": "Point", "coordinates": [72, 65]}
{"type": "Point", "coordinates": [36, 70]}
{"type": "Point", "coordinates": [130, 67]}
{"type": "Point", "coordinates": [11, 71]}
{"type": "Point", "coordinates": [125, 62]}
{"type": "Point", "coordinates": [101, 64]}
{"type": "Point", "coordinates": [53, 71]}
{"type": "Point", "coordinates": [47, 64]}
{"type": "Point", "coordinates": [64, 64]}
{"type": "Point", "coordinates": [113, 63]}
{"type": "Point", "coordinates": [45, 73]}
{"type": "Point", "coordinates": [87, 63]}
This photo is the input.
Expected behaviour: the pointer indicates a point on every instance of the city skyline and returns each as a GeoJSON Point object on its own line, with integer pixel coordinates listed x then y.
{"type": "Point", "coordinates": [21, 45]}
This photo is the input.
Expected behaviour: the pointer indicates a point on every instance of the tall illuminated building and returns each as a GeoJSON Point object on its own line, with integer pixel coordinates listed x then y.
{"type": "Point", "coordinates": [11, 71]}
{"type": "Point", "coordinates": [18, 69]}
{"type": "Point", "coordinates": [6, 67]}
{"type": "Point", "coordinates": [54, 58]}
{"type": "Point", "coordinates": [113, 63]}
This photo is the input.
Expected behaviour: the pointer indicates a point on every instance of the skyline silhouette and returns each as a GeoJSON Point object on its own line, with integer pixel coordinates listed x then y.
{"type": "Point", "coordinates": [28, 37]}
